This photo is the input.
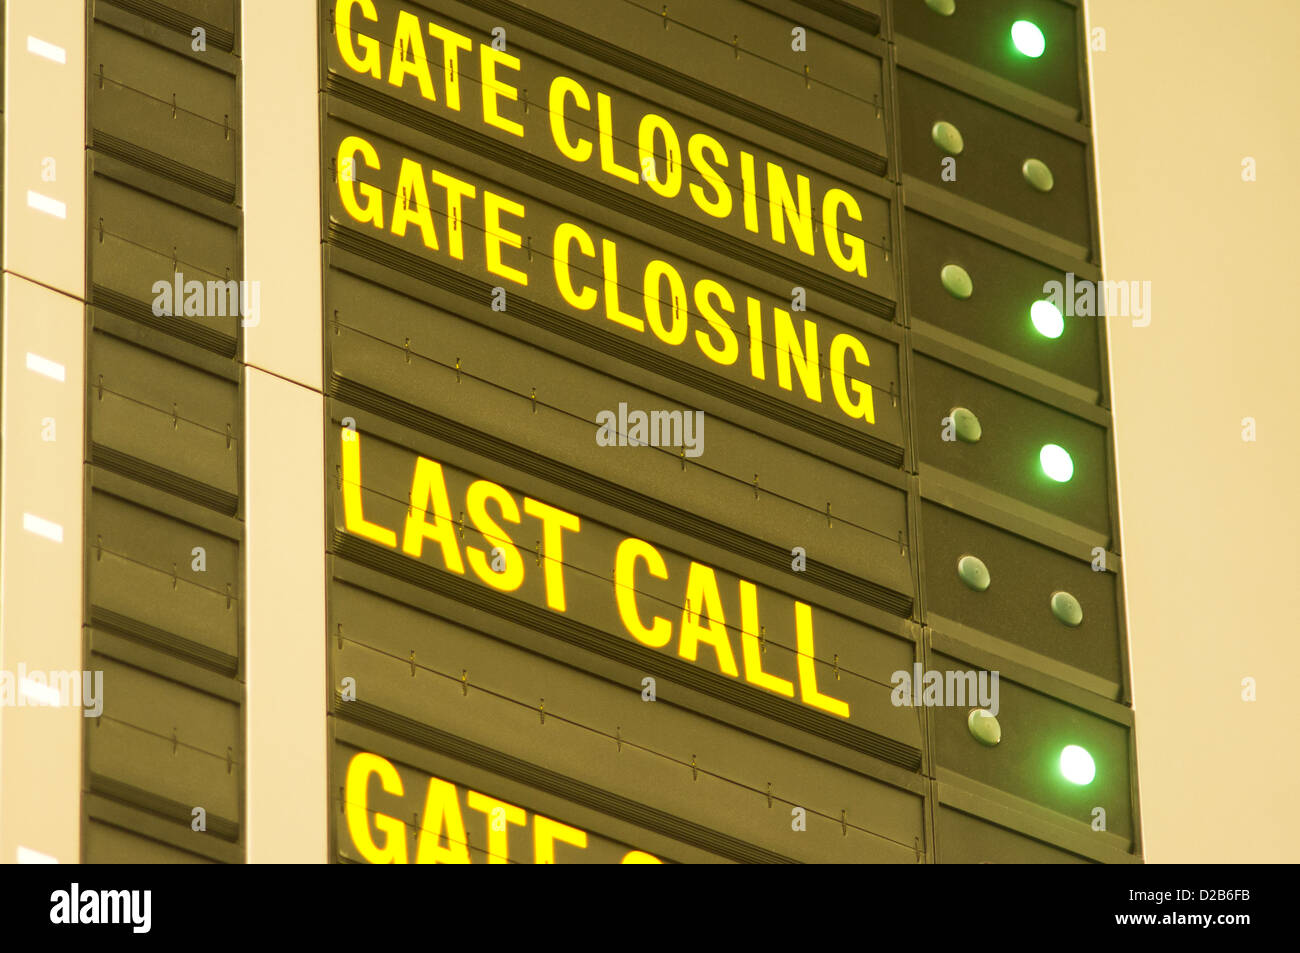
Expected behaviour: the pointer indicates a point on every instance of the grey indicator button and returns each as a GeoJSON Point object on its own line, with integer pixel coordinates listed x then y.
{"type": "Point", "coordinates": [947, 137]}
{"type": "Point", "coordinates": [944, 8]}
{"type": "Point", "coordinates": [1066, 608]}
{"type": "Point", "coordinates": [956, 281]}
{"type": "Point", "coordinates": [984, 727]}
{"type": "Point", "coordinates": [1038, 174]}
{"type": "Point", "coordinates": [973, 572]}
{"type": "Point", "coordinates": [966, 424]}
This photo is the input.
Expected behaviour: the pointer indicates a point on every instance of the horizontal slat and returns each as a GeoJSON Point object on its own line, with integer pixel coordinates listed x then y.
{"type": "Point", "coordinates": [218, 18]}
{"type": "Point", "coordinates": [166, 414]}
{"type": "Point", "coordinates": [988, 169]}
{"type": "Point", "coordinates": [1016, 606]}
{"type": "Point", "coordinates": [166, 111]}
{"type": "Point", "coordinates": [140, 242]}
{"type": "Point", "coordinates": [162, 581]}
{"type": "Point", "coordinates": [165, 747]}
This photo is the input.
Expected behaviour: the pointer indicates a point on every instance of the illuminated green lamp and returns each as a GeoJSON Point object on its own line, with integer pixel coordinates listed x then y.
{"type": "Point", "coordinates": [1056, 463]}
{"type": "Point", "coordinates": [1077, 765]}
{"type": "Point", "coordinates": [1047, 319]}
{"type": "Point", "coordinates": [1028, 39]}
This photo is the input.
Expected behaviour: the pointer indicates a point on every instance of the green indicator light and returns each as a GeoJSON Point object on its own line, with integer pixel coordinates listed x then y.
{"type": "Point", "coordinates": [1077, 765]}
{"type": "Point", "coordinates": [1028, 39]}
{"type": "Point", "coordinates": [1056, 463]}
{"type": "Point", "coordinates": [1047, 319]}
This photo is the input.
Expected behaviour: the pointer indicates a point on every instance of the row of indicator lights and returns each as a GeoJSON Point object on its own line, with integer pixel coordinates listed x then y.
{"type": "Point", "coordinates": [1076, 764]}
{"type": "Point", "coordinates": [1029, 41]}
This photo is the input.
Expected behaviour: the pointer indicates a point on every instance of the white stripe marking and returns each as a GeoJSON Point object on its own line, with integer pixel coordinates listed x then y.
{"type": "Point", "coordinates": [43, 203]}
{"type": "Point", "coordinates": [43, 365]}
{"type": "Point", "coordinates": [48, 50]}
{"type": "Point", "coordinates": [40, 694]}
{"type": "Point", "coordinates": [28, 856]}
{"type": "Point", "coordinates": [34, 524]}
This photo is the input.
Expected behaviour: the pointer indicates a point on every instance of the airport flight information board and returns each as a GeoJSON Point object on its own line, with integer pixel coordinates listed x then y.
{"type": "Point", "coordinates": [707, 479]}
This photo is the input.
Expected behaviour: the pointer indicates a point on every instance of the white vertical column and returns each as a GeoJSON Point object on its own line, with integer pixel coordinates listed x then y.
{"type": "Point", "coordinates": [42, 447]}
{"type": "Point", "coordinates": [284, 479]}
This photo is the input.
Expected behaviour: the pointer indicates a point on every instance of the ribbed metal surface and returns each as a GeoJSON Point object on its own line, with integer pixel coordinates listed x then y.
{"type": "Point", "coordinates": [161, 13]}
{"type": "Point", "coordinates": [151, 161]}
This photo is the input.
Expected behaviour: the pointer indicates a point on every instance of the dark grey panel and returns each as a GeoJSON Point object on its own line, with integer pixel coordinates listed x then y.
{"type": "Point", "coordinates": [1006, 459]}
{"type": "Point", "coordinates": [979, 33]}
{"type": "Point", "coordinates": [163, 110]}
{"type": "Point", "coordinates": [996, 145]}
{"type": "Point", "coordinates": [1016, 607]}
{"type": "Point", "coordinates": [996, 315]}
{"type": "Point", "coordinates": [605, 746]}
{"type": "Point", "coordinates": [164, 421]}
{"type": "Point", "coordinates": [218, 18]}
{"type": "Point", "coordinates": [144, 581]}
{"type": "Point", "coordinates": [960, 838]}
{"type": "Point", "coordinates": [140, 241]}
{"type": "Point", "coordinates": [166, 747]}
{"type": "Point", "coordinates": [1026, 764]}
{"type": "Point", "coordinates": [164, 427]}
{"type": "Point", "coordinates": [108, 844]}
{"type": "Point", "coordinates": [863, 15]}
